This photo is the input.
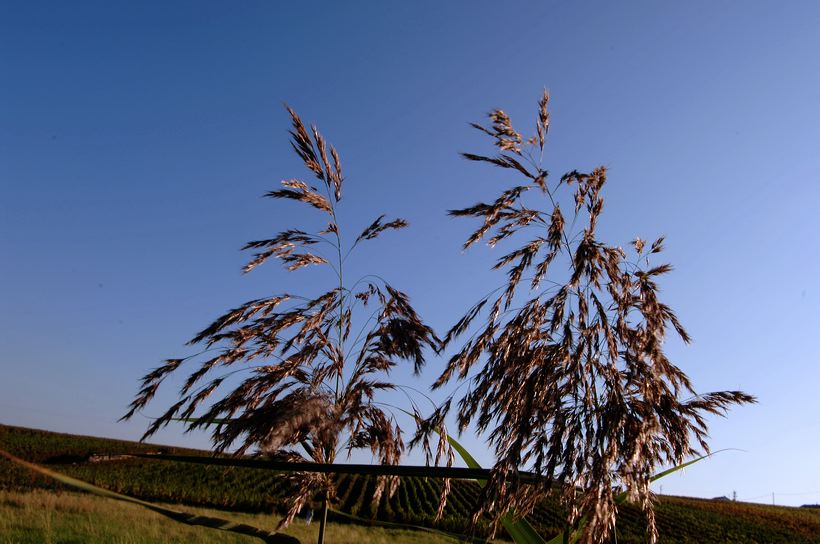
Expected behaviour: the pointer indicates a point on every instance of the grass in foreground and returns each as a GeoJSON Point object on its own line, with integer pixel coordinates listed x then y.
{"type": "Point", "coordinates": [46, 517]}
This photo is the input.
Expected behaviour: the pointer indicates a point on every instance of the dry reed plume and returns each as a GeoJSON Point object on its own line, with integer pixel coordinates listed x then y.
{"type": "Point", "coordinates": [573, 381]}
{"type": "Point", "coordinates": [311, 389]}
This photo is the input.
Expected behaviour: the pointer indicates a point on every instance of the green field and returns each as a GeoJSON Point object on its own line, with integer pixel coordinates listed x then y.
{"type": "Point", "coordinates": [261, 493]}
{"type": "Point", "coordinates": [49, 517]}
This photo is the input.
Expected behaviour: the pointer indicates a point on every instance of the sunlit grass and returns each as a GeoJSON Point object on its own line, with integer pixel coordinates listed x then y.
{"type": "Point", "coordinates": [45, 517]}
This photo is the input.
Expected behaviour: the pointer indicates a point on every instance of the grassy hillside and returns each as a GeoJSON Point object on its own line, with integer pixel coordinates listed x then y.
{"type": "Point", "coordinates": [680, 520]}
{"type": "Point", "coordinates": [46, 517]}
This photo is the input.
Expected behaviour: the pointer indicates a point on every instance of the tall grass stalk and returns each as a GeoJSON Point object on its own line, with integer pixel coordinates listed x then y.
{"type": "Point", "coordinates": [311, 366]}
{"type": "Point", "coordinates": [565, 360]}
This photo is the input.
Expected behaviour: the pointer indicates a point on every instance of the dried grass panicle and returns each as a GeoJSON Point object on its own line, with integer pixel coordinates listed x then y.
{"type": "Point", "coordinates": [291, 377]}
{"type": "Point", "coordinates": [573, 382]}
{"type": "Point", "coordinates": [377, 227]}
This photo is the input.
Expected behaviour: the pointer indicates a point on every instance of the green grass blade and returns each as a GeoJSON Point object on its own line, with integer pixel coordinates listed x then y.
{"type": "Point", "coordinates": [558, 539]}
{"type": "Point", "coordinates": [669, 471]}
{"type": "Point", "coordinates": [182, 517]}
{"type": "Point", "coordinates": [468, 459]}
{"type": "Point", "coordinates": [621, 497]}
{"type": "Point", "coordinates": [521, 530]}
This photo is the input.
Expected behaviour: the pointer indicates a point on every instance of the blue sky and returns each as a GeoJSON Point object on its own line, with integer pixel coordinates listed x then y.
{"type": "Point", "coordinates": [136, 139]}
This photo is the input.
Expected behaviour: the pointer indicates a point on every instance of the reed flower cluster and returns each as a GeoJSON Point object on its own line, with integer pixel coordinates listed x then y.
{"type": "Point", "coordinates": [565, 363]}
{"type": "Point", "coordinates": [309, 390]}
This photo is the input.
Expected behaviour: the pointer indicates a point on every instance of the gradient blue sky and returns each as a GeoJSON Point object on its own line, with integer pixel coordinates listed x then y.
{"type": "Point", "coordinates": [137, 137]}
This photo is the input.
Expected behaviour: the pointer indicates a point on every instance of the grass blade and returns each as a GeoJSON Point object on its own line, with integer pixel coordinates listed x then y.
{"type": "Point", "coordinates": [521, 530]}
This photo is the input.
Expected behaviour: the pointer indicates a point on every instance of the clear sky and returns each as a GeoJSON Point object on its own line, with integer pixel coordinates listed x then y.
{"type": "Point", "coordinates": [137, 137]}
